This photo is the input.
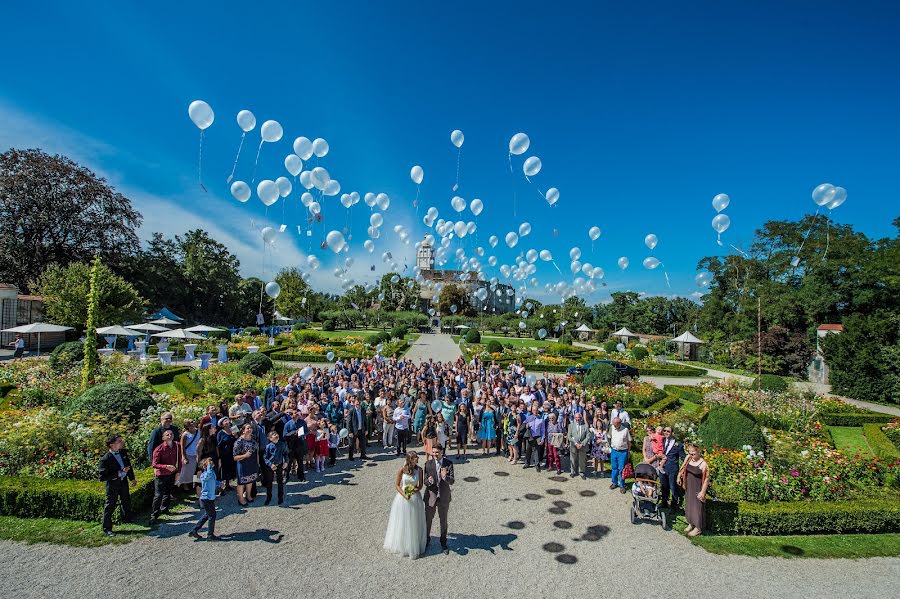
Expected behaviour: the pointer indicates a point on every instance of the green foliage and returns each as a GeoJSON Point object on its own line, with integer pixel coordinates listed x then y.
{"type": "Point", "coordinates": [328, 325]}
{"type": "Point", "coordinates": [217, 335]}
{"type": "Point", "coordinates": [291, 302]}
{"type": "Point", "coordinates": [494, 347]}
{"type": "Point", "coordinates": [879, 442]}
{"type": "Point", "coordinates": [35, 497]}
{"type": "Point", "coordinates": [399, 332]}
{"type": "Point", "coordinates": [863, 359]}
{"type": "Point", "coordinates": [191, 388]}
{"type": "Point", "coordinates": [112, 400]}
{"type": "Point", "coordinates": [157, 374]}
{"type": "Point", "coordinates": [770, 382]}
{"type": "Point", "coordinates": [89, 366]}
{"type": "Point", "coordinates": [65, 355]}
{"type": "Point", "coordinates": [671, 370]}
{"type": "Point", "coordinates": [376, 338]}
{"type": "Point", "coordinates": [565, 339]}
{"type": "Point", "coordinates": [730, 427]}
{"type": "Point", "coordinates": [250, 332]}
{"type": "Point", "coordinates": [307, 336]}
{"type": "Point", "coordinates": [256, 364]}
{"type": "Point", "coordinates": [473, 336]}
{"type": "Point", "coordinates": [455, 295]}
{"type": "Point", "coordinates": [803, 517]}
{"type": "Point", "coordinates": [685, 393]}
{"type": "Point", "coordinates": [640, 353]}
{"type": "Point", "coordinates": [398, 296]}
{"type": "Point", "coordinates": [852, 418]}
{"type": "Point", "coordinates": [610, 346]}
{"type": "Point", "coordinates": [601, 375]}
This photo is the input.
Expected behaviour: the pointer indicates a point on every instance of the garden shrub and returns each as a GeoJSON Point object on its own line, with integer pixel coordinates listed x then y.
{"type": "Point", "coordinates": [880, 443]}
{"type": "Point", "coordinates": [494, 347]}
{"type": "Point", "coordinates": [565, 339]}
{"type": "Point", "coordinates": [112, 400]}
{"type": "Point", "coordinates": [399, 332]}
{"type": "Point", "coordinates": [153, 367]}
{"type": "Point", "coordinates": [307, 336]}
{"type": "Point", "coordinates": [640, 353]}
{"type": "Point", "coordinates": [256, 364]}
{"type": "Point", "coordinates": [685, 393]}
{"type": "Point", "coordinates": [250, 332]}
{"type": "Point", "coordinates": [730, 427]}
{"type": "Point", "coordinates": [65, 355]}
{"type": "Point", "coordinates": [668, 402]}
{"type": "Point", "coordinates": [473, 336]}
{"type": "Point", "coordinates": [770, 382]}
{"type": "Point", "coordinates": [187, 384]}
{"type": "Point", "coordinates": [601, 375]}
{"type": "Point", "coordinates": [509, 345]}
{"type": "Point", "coordinates": [803, 517]}
{"type": "Point", "coordinates": [36, 497]}
{"type": "Point", "coordinates": [5, 388]}
{"type": "Point", "coordinates": [328, 325]}
{"type": "Point", "coordinates": [162, 374]}
{"type": "Point", "coordinates": [376, 338]}
{"type": "Point", "coordinates": [223, 335]}
{"type": "Point", "coordinates": [610, 346]}
{"type": "Point", "coordinates": [852, 418]}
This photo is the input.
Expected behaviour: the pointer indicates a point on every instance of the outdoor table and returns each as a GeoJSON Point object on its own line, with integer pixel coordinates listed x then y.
{"type": "Point", "coordinates": [204, 360]}
{"type": "Point", "coordinates": [252, 349]}
{"type": "Point", "coordinates": [141, 346]}
{"type": "Point", "coordinates": [165, 357]}
{"type": "Point", "coordinates": [271, 341]}
{"type": "Point", "coordinates": [110, 341]}
{"type": "Point", "coordinates": [105, 352]}
{"type": "Point", "coordinates": [189, 351]}
{"type": "Point", "coordinates": [135, 355]}
{"type": "Point", "coordinates": [163, 345]}
{"type": "Point", "coordinates": [223, 352]}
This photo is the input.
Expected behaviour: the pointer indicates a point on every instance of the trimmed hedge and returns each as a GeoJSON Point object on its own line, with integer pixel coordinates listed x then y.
{"type": "Point", "coordinates": [166, 375]}
{"type": "Point", "coordinates": [731, 427]}
{"type": "Point", "coordinates": [188, 387]}
{"type": "Point", "coordinates": [112, 399]}
{"type": "Point", "coordinates": [803, 517]}
{"type": "Point", "coordinates": [257, 364]}
{"type": "Point", "coordinates": [853, 419]}
{"type": "Point", "coordinates": [686, 393]}
{"type": "Point", "coordinates": [687, 371]}
{"type": "Point", "coordinates": [667, 403]}
{"type": "Point", "coordinates": [879, 442]}
{"type": "Point", "coordinates": [601, 375]}
{"type": "Point", "coordinates": [65, 354]}
{"type": "Point", "coordinates": [494, 347]}
{"type": "Point", "coordinates": [770, 382]}
{"type": "Point", "coordinates": [35, 497]}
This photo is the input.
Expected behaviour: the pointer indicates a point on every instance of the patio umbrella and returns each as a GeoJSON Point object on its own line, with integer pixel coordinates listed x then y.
{"type": "Point", "coordinates": [178, 334]}
{"type": "Point", "coordinates": [118, 331]}
{"type": "Point", "coordinates": [165, 321]}
{"type": "Point", "coordinates": [38, 327]}
{"type": "Point", "coordinates": [202, 328]}
{"type": "Point", "coordinates": [147, 328]}
{"type": "Point", "coordinates": [462, 326]}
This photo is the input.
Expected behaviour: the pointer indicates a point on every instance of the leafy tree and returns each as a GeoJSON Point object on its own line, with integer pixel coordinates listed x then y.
{"type": "Point", "coordinates": [455, 295]}
{"type": "Point", "coordinates": [862, 359]}
{"type": "Point", "coordinates": [53, 211]}
{"type": "Point", "coordinates": [295, 292]}
{"type": "Point", "coordinates": [402, 295]}
{"type": "Point", "coordinates": [357, 298]}
{"type": "Point", "coordinates": [67, 295]}
{"type": "Point", "coordinates": [90, 332]}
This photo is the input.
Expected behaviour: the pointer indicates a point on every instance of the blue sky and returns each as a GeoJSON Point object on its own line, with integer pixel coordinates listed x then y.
{"type": "Point", "coordinates": [639, 114]}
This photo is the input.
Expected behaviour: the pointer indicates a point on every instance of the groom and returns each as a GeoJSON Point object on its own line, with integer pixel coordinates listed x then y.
{"type": "Point", "coordinates": [438, 478]}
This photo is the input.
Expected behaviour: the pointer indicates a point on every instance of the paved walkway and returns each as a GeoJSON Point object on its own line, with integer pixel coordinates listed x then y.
{"type": "Point", "coordinates": [513, 533]}
{"type": "Point", "coordinates": [437, 346]}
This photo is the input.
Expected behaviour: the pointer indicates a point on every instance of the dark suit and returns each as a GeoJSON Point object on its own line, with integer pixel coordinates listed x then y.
{"type": "Point", "coordinates": [674, 452]}
{"type": "Point", "coordinates": [437, 496]}
{"type": "Point", "coordinates": [116, 487]}
{"type": "Point", "coordinates": [357, 427]}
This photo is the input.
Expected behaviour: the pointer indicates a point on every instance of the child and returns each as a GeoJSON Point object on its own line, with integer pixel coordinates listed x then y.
{"type": "Point", "coordinates": [276, 457]}
{"type": "Point", "coordinates": [323, 447]}
{"type": "Point", "coordinates": [656, 446]}
{"type": "Point", "coordinates": [334, 439]}
{"type": "Point", "coordinates": [443, 434]}
{"type": "Point", "coordinates": [428, 436]}
{"type": "Point", "coordinates": [208, 485]}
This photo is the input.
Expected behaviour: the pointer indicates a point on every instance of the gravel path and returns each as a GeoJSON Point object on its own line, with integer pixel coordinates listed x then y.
{"type": "Point", "coordinates": [437, 346]}
{"type": "Point", "coordinates": [514, 533]}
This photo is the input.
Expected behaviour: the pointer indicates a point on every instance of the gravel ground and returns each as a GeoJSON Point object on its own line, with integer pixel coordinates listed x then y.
{"type": "Point", "coordinates": [437, 346]}
{"type": "Point", "coordinates": [505, 522]}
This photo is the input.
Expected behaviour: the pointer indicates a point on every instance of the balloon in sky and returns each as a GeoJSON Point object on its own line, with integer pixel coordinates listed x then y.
{"type": "Point", "coordinates": [703, 279]}
{"type": "Point", "coordinates": [267, 191]}
{"type": "Point", "coordinates": [268, 234]}
{"type": "Point", "coordinates": [594, 233]}
{"type": "Point", "coordinates": [376, 219]}
{"type": "Point", "coordinates": [821, 194]}
{"type": "Point", "coordinates": [240, 191]}
{"type": "Point", "coordinates": [312, 262]}
{"type": "Point", "coordinates": [650, 263]}
{"type": "Point", "coordinates": [552, 195]}
{"type": "Point", "coordinates": [575, 253]}
{"type": "Point", "coordinates": [335, 241]}
{"type": "Point", "coordinates": [524, 229]}
{"type": "Point", "coordinates": [457, 138]}
{"type": "Point", "coordinates": [720, 202]}
{"type": "Point", "coordinates": [306, 179]}
{"type": "Point", "coordinates": [650, 241]}
{"type": "Point", "coordinates": [493, 240]}
{"type": "Point", "coordinates": [837, 196]}
{"type": "Point", "coordinates": [512, 239]}
{"type": "Point", "coordinates": [293, 164]}
{"type": "Point", "coordinates": [246, 121]}
{"type": "Point", "coordinates": [623, 262]}
{"type": "Point", "coordinates": [476, 206]}
{"type": "Point", "coordinates": [531, 256]}
{"type": "Point", "coordinates": [458, 203]}
{"type": "Point", "coordinates": [720, 223]}
{"type": "Point", "coordinates": [303, 148]}
{"type": "Point", "coordinates": [201, 113]}
{"type": "Point", "coordinates": [369, 245]}
{"type": "Point", "coordinates": [532, 166]}
{"type": "Point", "coordinates": [518, 144]}
{"type": "Point", "coordinates": [546, 256]}
{"type": "Point", "coordinates": [417, 174]}
{"type": "Point", "coordinates": [273, 289]}
{"type": "Point", "coordinates": [332, 188]}
{"type": "Point", "coordinates": [315, 207]}
{"type": "Point", "coordinates": [271, 131]}
{"type": "Point", "coordinates": [383, 201]}
{"type": "Point", "coordinates": [284, 186]}
{"type": "Point", "coordinates": [320, 147]}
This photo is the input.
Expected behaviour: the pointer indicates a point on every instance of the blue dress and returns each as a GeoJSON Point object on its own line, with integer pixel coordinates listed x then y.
{"type": "Point", "coordinates": [487, 432]}
{"type": "Point", "coordinates": [419, 418]}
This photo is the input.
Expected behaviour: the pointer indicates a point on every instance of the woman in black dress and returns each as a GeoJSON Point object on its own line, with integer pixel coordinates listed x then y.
{"type": "Point", "coordinates": [245, 454]}
{"type": "Point", "coordinates": [225, 449]}
{"type": "Point", "coordinates": [462, 429]}
{"type": "Point", "coordinates": [694, 477]}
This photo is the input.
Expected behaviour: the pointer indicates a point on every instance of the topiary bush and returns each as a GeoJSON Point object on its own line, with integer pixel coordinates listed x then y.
{"type": "Point", "coordinates": [771, 382]}
{"type": "Point", "coordinates": [114, 400]}
{"type": "Point", "coordinates": [565, 339]}
{"type": "Point", "coordinates": [473, 336]}
{"type": "Point", "coordinates": [399, 332]}
{"type": "Point", "coordinates": [307, 336]}
{"type": "Point", "coordinates": [601, 375]}
{"type": "Point", "coordinates": [328, 325]}
{"type": "Point", "coordinates": [256, 364]}
{"type": "Point", "coordinates": [610, 346]}
{"type": "Point", "coordinates": [731, 428]}
{"type": "Point", "coordinates": [225, 335]}
{"type": "Point", "coordinates": [65, 355]}
{"type": "Point", "coordinates": [250, 332]}
{"type": "Point", "coordinates": [640, 353]}
{"type": "Point", "coordinates": [494, 347]}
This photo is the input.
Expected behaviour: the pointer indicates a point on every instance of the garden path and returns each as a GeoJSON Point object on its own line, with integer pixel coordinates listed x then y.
{"type": "Point", "coordinates": [437, 346]}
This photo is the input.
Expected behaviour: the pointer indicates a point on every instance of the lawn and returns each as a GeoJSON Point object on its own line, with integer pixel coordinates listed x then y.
{"type": "Point", "coordinates": [166, 388]}
{"type": "Point", "coordinates": [514, 341]}
{"type": "Point", "coordinates": [850, 439]}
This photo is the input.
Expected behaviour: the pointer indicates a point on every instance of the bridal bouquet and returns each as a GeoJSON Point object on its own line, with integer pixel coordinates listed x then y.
{"type": "Point", "coordinates": [408, 490]}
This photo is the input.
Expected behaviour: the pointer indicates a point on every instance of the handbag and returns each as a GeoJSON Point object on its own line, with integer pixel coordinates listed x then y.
{"type": "Point", "coordinates": [556, 439]}
{"type": "Point", "coordinates": [628, 471]}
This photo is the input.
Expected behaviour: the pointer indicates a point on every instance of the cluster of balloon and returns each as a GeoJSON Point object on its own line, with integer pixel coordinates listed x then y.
{"type": "Point", "coordinates": [247, 122]}
{"type": "Point", "coordinates": [203, 116]}
{"type": "Point", "coordinates": [457, 138]}
{"type": "Point", "coordinates": [417, 175]}
{"type": "Point", "coordinates": [650, 262]}
{"type": "Point", "coordinates": [720, 222]}
{"type": "Point", "coordinates": [831, 197]}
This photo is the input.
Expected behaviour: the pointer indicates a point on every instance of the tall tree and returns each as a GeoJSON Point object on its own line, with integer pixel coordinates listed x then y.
{"type": "Point", "coordinates": [293, 301]}
{"type": "Point", "coordinates": [455, 295]}
{"type": "Point", "coordinates": [402, 295]}
{"type": "Point", "coordinates": [89, 367]}
{"type": "Point", "coordinates": [54, 211]}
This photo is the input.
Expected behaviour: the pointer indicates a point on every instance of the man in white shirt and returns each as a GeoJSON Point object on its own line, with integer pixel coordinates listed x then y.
{"type": "Point", "coordinates": [620, 413]}
{"type": "Point", "coordinates": [619, 444]}
{"type": "Point", "coordinates": [401, 426]}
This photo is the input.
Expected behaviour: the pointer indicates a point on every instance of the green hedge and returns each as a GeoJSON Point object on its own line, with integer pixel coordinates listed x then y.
{"type": "Point", "coordinates": [5, 388]}
{"type": "Point", "coordinates": [686, 393]}
{"type": "Point", "coordinates": [852, 419]}
{"type": "Point", "coordinates": [803, 517]}
{"type": "Point", "coordinates": [686, 371]}
{"type": "Point", "coordinates": [289, 357]}
{"type": "Point", "coordinates": [879, 442]}
{"type": "Point", "coordinates": [166, 375]}
{"type": "Point", "coordinates": [35, 497]}
{"type": "Point", "coordinates": [187, 386]}
{"type": "Point", "coordinates": [667, 403]}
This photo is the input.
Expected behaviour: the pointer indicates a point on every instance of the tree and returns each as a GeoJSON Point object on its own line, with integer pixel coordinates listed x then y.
{"type": "Point", "coordinates": [357, 298]}
{"type": "Point", "coordinates": [68, 294]}
{"type": "Point", "coordinates": [862, 359]}
{"type": "Point", "coordinates": [402, 295]}
{"type": "Point", "coordinates": [53, 211]}
{"type": "Point", "coordinates": [455, 295]}
{"type": "Point", "coordinates": [90, 334]}
{"type": "Point", "coordinates": [293, 299]}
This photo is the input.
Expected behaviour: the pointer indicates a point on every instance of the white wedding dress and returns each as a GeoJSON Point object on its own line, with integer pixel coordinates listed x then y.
{"type": "Point", "coordinates": [405, 534]}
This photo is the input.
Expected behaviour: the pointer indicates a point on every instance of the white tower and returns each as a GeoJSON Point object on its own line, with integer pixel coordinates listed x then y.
{"type": "Point", "coordinates": [425, 256]}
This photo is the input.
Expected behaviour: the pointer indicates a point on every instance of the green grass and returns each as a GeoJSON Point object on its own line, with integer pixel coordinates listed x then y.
{"type": "Point", "coordinates": [66, 532]}
{"type": "Point", "coordinates": [166, 388]}
{"type": "Point", "coordinates": [850, 439]}
{"type": "Point", "coordinates": [690, 407]}
{"type": "Point", "coordinates": [514, 341]}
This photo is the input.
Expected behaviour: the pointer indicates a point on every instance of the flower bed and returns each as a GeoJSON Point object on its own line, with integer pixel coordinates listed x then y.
{"type": "Point", "coordinates": [892, 432]}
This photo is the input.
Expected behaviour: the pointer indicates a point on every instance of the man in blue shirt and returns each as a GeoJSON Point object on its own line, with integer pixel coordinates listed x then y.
{"type": "Point", "coordinates": [535, 433]}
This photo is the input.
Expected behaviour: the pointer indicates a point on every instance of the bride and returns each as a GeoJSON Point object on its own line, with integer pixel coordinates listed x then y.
{"type": "Point", "coordinates": [405, 534]}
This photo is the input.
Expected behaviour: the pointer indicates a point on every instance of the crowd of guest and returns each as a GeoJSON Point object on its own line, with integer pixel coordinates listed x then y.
{"type": "Point", "coordinates": [298, 426]}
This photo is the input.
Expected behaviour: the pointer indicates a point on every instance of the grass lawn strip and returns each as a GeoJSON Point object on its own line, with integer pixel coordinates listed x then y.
{"type": "Point", "coordinates": [850, 439]}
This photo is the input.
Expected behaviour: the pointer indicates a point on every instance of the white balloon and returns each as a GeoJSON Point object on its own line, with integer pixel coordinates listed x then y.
{"type": "Point", "coordinates": [575, 266]}
{"type": "Point", "coordinates": [369, 245]}
{"type": "Point", "coordinates": [315, 208]}
{"type": "Point", "coordinates": [246, 121]}
{"type": "Point", "coordinates": [575, 253]}
{"type": "Point", "coordinates": [650, 263]}
{"type": "Point", "coordinates": [821, 194]}
{"type": "Point", "coordinates": [329, 356]}
{"type": "Point", "coordinates": [346, 200]}
{"type": "Point", "coordinates": [720, 202]}
{"type": "Point", "coordinates": [546, 256]}
{"type": "Point", "coordinates": [369, 199]}
{"type": "Point", "coordinates": [493, 240]}
{"type": "Point", "coordinates": [306, 373]}
{"type": "Point", "coordinates": [623, 262]}
{"type": "Point", "coordinates": [273, 289]}
{"type": "Point", "coordinates": [335, 241]}
{"type": "Point", "coordinates": [306, 180]}
{"type": "Point", "coordinates": [332, 188]}
{"type": "Point", "coordinates": [703, 279]}
{"type": "Point", "coordinates": [457, 138]}
{"type": "Point", "coordinates": [320, 177]}
{"type": "Point", "coordinates": [721, 222]}
{"type": "Point", "coordinates": [303, 148]}
{"type": "Point", "coordinates": [458, 203]}
{"type": "Point", "coordinates": [293, 164]}
{"type": "Point", "coordinates": [268, 234]}
{"type": "Point", "coordinates": [620, 347]}
{"type": "Point", "coordinates": [201, 113]}
{"type": "Point", "coordinates": [383, 201]}
{"type": "Point", "coordinates": [837, 196]}
{"type": "Point", "coordinates": [417, 174]}
{"type": "Point", "coordinates": [524, 229]}
{"type": "Point", "coordinates": [306, 199]}
{"type": "Point", "coordinates": [532, 166]}
{"type": "Point", "coordinates": [271, 131]}
{"type": "Point", "coordinates": [376, 219]}
{"type": "Point", "coordinates": [650, 241]}
{"type": "Point", "coordinates": [531, 256]}
{"type": "Point", "coordinates": [240, 191]}
{"type": "Point", "coordinates": [284, 186]}
{"type": "Point", "coordinates": [512, 239]}
{"type": "Point", "coordinates": [518, 144]}
{"type": "Point", "coordinates": [476, 206]}
{"type": "Point", "coordinates": [267, 191]}
{"type": "Point", "coordinates": [320, 147]}
{"type": "Point", "coordinates": [460, 228]}
{"type": "Point", "coordinates": [552, 195]}
{"type": "Point", "coordinates": [312, 262]}
{"type": "Point", "coordinates": [594, 233]}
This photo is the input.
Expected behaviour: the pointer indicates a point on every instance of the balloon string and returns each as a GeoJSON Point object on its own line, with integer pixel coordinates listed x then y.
{"type": "Point", "coordinates": [416, 201]}
{"type": "Point", "coordinates": [553, 262]}
{"type": "Point", "coordinates": [827, 237]}
{"type": "Point", "coordinates": [808, 231]}
{"type": "Point", "coordinates": [458, 155]}
{"type": "Point", "coordinates": [668, 284]}
{"type": "Point", "coordinates": [234, 166]}
{"type": "Point", "coordinates": [739, 251]}
{"type": "Point", "coordinates": [200, 163]}
{"type": "Point", "coordinates": [256, 162]}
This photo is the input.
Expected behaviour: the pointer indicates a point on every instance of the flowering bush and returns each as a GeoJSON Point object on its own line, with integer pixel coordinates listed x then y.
{"type": "Point", "coordinates": [892, 431]}
{"type": "Point", "coordinates": [632, 393]}
{"type": "Point", "coordinates": [786, 410]}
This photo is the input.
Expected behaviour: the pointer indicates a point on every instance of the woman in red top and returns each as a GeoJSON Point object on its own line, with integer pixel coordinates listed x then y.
{"type": "Point", "coordinates": [166, 464]}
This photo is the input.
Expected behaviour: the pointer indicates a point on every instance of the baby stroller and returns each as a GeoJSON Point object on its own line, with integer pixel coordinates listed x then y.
{"type": "Point", "coordinates": [646, 493]}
